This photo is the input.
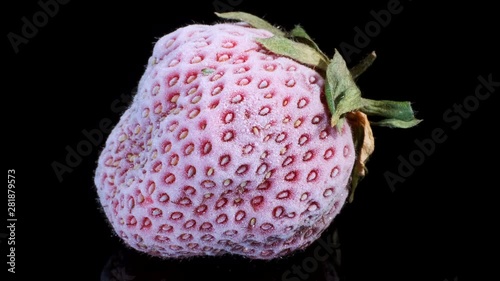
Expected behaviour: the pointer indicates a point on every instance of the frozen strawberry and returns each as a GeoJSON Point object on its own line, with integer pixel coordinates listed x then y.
{"type": "Point", "coordinates": [234, 144]}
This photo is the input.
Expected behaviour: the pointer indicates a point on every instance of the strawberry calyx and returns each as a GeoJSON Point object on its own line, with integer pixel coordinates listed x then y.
{"type": "Point", "coordinates": [343, 96]}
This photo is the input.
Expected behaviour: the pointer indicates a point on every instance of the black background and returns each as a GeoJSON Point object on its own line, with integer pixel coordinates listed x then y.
{"type": "Point", "coordinates": [436, 225]}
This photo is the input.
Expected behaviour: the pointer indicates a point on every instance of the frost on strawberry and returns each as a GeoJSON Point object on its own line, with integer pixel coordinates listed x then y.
{"type": "Point", "coordinates": [228, 147]}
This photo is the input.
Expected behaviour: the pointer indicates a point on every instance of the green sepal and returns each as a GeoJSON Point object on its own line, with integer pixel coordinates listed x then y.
{"type": "Point", "coordinates": [396, 123]}
{"type": "Point", "coordinates": [295, 50]}
{"type": "Point", "coordinates": [342, 94]}
{"type": "Point", "coordinates": [298, 33]}
{"type": "Point", "coordinates": [398, 114]}
{"type": "Point", "coordinates": [253, 21]}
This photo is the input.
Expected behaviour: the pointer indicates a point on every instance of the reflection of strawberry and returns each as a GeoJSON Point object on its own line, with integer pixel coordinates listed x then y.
{"type": "Point", "coordinates": [115, 270]}
{"type": "Point", "coordinates": [226, 148]}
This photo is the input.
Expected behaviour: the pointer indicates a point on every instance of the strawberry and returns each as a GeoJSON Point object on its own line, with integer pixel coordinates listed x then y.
{"type": "Point", "coordinates": [229, 146]}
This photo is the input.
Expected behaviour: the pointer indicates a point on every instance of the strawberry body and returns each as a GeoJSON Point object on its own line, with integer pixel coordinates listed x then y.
{"type": "Point", "coordinates": [226, 148]}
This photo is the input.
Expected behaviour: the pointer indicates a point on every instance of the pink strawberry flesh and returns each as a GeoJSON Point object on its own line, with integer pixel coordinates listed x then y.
{"type": "Point", "coordinates": [226, 148]}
